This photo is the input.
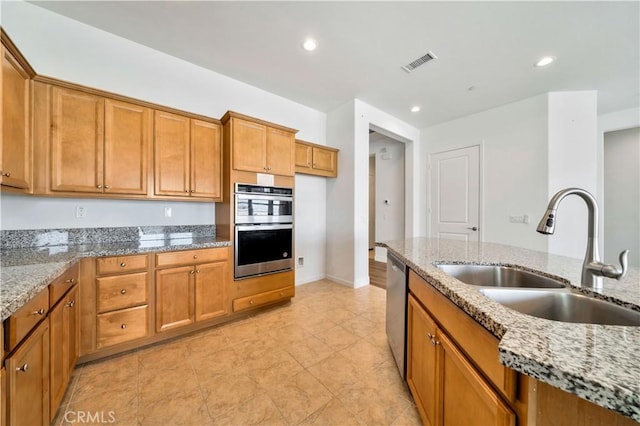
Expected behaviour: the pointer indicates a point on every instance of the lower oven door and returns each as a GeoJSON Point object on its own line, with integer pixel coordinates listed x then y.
{"type": "Point", "coordinates": [262, 249]}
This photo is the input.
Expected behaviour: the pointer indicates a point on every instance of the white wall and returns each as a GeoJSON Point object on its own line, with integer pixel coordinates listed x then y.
{"type": "Point", "coordinates": [622, 195]}
{"type": "Point", "coordinates": [389, 181]}
{"type": "Point", "coordinates": [59, 47]}
{"type": "Point", "coordinates": [513, 141]}
{"type": "Point", "coordinates": [572, 148]}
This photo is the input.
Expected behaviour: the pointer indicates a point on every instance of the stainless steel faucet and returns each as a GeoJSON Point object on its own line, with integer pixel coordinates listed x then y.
{"type": "Point", "coordinates": [592, 269]}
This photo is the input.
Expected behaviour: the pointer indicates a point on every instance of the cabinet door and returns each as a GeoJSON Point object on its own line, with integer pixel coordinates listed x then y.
{"type": "Point", "coordinates": [466, 397]}
{"type": "Point", "coordinates": [3, 397]}
{"type": "Point", "coordinates": [280, 152]}
{"type": "Point", "coordinates": [325, 160]}
{"type": "Point", "coordinates": [249, 144]}
{"type": "Point", "coordinates": [423, 376]}
{"type": "Point", "coordinates": [211, 282]}
{"type": "Point", "coordinates": [126, 148]}
{"type": "Point", "coordinates": [303, 156]}
{"type": "Point", "coordinates": [63, 344]}
{"type": "Point", "coordinates": [16, 144]}
{"type": "Point", "coordinates": [171, 144]}
{"type": "Point", "coordinates": [174, 297]}
{"type": "Point", "coordinates": [206, 160]}
{"type": "Point", "coordinates": [28, 380]}
{"type": "Point", "coordinates": [77, 141]}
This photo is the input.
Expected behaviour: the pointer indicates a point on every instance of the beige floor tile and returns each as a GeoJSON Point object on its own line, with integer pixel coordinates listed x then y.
{"type": "Point", "coordinates": [372, 403]}
{"type": "Point", "coordinates": [258, 411]}
{"type": "Point", "coordinates": [120, 402]}
{"type": "Point", "coordinates": [335, 372]}
{"type": "Point", "coordinates": [227, 391]}
{"type": "Point", "coordinates": [274, 368]}
{"type": "Point", "coordinates": [309, 351]}
{"type": "Point", "coordinates": [241, 331]}
{"type": "Point", "coordinates": [96, 384]}
{"type": "Point", "coordinates": [120, 418]}
{"type": "Point", "coordinates": [206, 343]}
{"type": "Point", "coordinates": [126, 362]}
{"type": "Point", "coordinates": [186, 408]}
{"type": "Point", "coordinates": [338, 315]}
{"type": "Point", "coordinates": [410, 417]}
{"type": "Point", "coordinates": [331, 414]}
{"type": "Point", "coordinates": [165, 356]}
{"type": "Point", "coordinates": [207, 365]}
{"type": "Point", "coordinates": [299, 397]}
{"type": "Point", "coordinates": [360, 326]}
{"type": "Point", "coordinates": [154, 385]}
{"type": "Point", "coordinates": [338, 338]}
{"type": "Point", "coordinates": [364, 355]}
{"type": "Point", "coordinates": [289, 334]}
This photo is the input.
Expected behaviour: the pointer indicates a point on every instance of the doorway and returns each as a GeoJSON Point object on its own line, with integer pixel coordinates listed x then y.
{"type": "Point", "coordinates": [386, 200]}
{"type": "Point", "coordinates": [455, 194]}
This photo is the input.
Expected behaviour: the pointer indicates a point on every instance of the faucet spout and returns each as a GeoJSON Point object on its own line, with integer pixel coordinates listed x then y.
{"type": "Point", "coordinates": [592, 268]}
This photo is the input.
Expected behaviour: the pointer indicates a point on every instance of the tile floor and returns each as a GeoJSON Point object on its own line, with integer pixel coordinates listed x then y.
{"type": "Point", "coordinates": [322, 360]}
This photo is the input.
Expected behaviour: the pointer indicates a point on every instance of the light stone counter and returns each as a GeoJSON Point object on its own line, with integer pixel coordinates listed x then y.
{"type": "Point", "coordinates": [600, 363]}
{"type": "Point", "coordinates": [25, 271]}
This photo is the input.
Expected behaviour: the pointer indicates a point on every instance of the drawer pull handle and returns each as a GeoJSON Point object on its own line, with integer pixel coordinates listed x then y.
{"type": "Point", "coordinates": [24, 368]}
{"type": "Point", "coordinates": [123, 326]}
{"type": "Point", "coordinates": [71, 280]}
{"type": "Point", "coordinates": [251, 302]}
{"type": "Point", "coordinates": [39, 312]}
{"type": "Point", "coordinates": [107, 187]}
{"type": "Point", "coordinates": [197, 271]}
{"type": "Point", "coordinates": [99, 186]}
{"type": "Point", "coordinates": [123, 291]}
{"type": "Point", "coordinates": [71, 303]}
{"type": "Point", "coordinates": [123, 264]}
{"type": "Point", "coordinates": [195, 256]}
{"type": "Point", "coordinates": [192, 271]}
{"type": "Point", "coordinates": [430, 336]}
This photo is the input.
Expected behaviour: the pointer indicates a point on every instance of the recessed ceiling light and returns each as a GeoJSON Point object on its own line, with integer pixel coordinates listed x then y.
{"type": "Point", "coordinates": [309, 45]}
{"type": "Point", "coordinates": [415, 109]}
{"type": "Point", "coordinates": [545, 61]}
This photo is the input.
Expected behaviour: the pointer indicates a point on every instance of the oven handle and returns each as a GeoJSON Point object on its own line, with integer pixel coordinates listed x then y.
{"type": "Point", "coordinates": [263, 227]}
{"type": "Point", "coordinates": [263, 197]}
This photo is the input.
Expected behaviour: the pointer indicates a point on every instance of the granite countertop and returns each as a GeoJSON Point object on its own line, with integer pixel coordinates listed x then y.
{"type": "Point", "coordinates": [26, 271]}
{"type": "Point", "coordinates": [599, 363]}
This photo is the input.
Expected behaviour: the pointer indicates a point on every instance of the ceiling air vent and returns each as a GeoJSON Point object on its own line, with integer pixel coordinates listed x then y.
{"type": "Point", "coordinates": [420, 61]}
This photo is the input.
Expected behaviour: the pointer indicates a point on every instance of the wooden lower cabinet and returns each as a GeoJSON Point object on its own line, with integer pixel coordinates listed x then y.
{"type": "Point", "coordinates": [447, 388]}
{"type": "Point", "coordinates": [64, 346]}
{"type": "Point", "coordinates": [210, 291]}
{"type": "Point", "coordinates": [3, 396]}
{"type": "Point", "coordinates": [122, 326]}
{"type": "Point", "coordinates": [174, 298]}
{"type": "Point", "coordinates": [28, 380]}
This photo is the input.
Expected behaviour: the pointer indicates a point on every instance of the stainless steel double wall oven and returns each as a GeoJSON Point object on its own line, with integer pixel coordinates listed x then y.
{"type": "Point", "coordinates": [263, 230]}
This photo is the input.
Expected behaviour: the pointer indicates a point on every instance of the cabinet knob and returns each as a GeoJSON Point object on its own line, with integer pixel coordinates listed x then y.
{"type": "Point", "coordinates": [197, 271]}
{"type": "Point", "coordinates": [123, 326]}
{"type": "Point", "coordinates": [70, 280]}
{"type": "Point", "coordinates": [195, 256]}
{"type": "Point", "coordinates": [71, 303]}
{"type": "Point", "coordinates": [123, 264]}
{"type": "Point", "coordinates": [99, 186]}
{"type": "Point", "coordinates": [186, 190]}
{"type": "Point", "coordinates": [251, 302]}
{"type": "Point", "coordinates": [24, 368]}
{"type": "Point", "coordinates": [123, 291]}
{"type": "Point", "coordinates": [107, 187]}
{"type": "Point", "coordinates": [193, 271]}
{"type": "Point", "coordinates": [39, 312]}
{"type": "Point", "coordinates": [7, 174]}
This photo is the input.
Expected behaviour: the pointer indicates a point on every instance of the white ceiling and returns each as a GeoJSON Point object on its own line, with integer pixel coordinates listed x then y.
{"type": "Point", "coordinates": [362, 45]}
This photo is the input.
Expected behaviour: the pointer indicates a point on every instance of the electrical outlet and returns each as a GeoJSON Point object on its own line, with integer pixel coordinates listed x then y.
{"type": "Point", "coordinates": [81, 211]}
{"type": "Point", "coordinates": [300, 261]}
{"type": "Point", "coordinates": [167, 212]}
{"type": "Point", "coordinates": [519, 219]}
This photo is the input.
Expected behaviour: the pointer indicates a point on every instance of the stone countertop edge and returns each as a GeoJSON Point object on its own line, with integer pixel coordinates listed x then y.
{"type": "Point", "coordinates": [20, 283]}
{"type": "Point", "coordinates": [587, 360]}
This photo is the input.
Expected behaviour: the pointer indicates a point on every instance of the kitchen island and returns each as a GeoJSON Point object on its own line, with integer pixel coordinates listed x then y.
{"type": "Point", "coordinates": [598, 363]}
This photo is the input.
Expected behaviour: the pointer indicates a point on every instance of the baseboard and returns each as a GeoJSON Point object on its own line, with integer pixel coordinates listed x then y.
{"type": "Point", "coordinates": [313, 278]}
{"type": "Point", "coordinates": [340, 281]}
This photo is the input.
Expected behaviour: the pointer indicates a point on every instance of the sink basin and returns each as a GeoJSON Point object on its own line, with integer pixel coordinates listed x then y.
{"type": "Point", "coordinates": [563, 306]}
{"type": "Point", "coordinates": [499, 276]}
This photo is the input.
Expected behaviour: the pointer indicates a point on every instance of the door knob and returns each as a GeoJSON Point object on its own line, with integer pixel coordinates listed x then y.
{"type": "Point", "coordinates": [473, 228]}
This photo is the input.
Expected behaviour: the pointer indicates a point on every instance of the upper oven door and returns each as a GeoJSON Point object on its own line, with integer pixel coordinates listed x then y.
{"type": "Point", "coordinates": [255, 208]}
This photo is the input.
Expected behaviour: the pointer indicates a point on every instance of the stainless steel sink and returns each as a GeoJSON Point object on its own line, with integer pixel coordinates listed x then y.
{"type": "Point", "coordinates": [563, 305]}
{"type": "Point", "coordinates": [499, 276]}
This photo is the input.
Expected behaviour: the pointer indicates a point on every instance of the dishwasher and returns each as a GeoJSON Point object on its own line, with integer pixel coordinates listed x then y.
{"type": "Point", "coordinates": [396, 310]}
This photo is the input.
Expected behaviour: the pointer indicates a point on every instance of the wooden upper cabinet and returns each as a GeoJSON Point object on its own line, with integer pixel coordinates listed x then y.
{"type": "Point", "coordinates": [172, 154]}
{"type": "Point", "coordinates": [206, 160]}
{"type": "Point", "coordinates": [77, 141]}
{"type": "Point", "coordinates": [127, 142]}
{"type": "Point", "coordinates": [280, 152]}
{"type": "Point", "coordinates": [15, 159]}
{"type": "Point", "coordinates": [249, 146]}
{"type": "Point", "coordinates": [315, 159]}
{"type": "Point", "coordinates": [188, 157]}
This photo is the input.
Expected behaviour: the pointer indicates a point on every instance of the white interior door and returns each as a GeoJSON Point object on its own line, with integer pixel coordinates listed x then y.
{"type": "Point", "coordinates": [455, 194]}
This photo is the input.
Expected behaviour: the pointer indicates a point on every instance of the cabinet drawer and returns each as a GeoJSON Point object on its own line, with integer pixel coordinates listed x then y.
{"type": "Point", "coordinates": [118, 264]}
{"type": "Point", "coordinates": [187, 257]}
{"type": "Point", "coordinates": [262, 298]}
{"type": "Point", "coordinates": [122, 291]}
{"type": "Point", "coordinates": [62, 284]}
{"type": "Point", "coordinates": [18, 325]}
{"type": "Point", "coordinates": [122, 326]}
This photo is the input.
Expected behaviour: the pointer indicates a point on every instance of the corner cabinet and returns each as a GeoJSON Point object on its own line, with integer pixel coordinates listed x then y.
{"type": "Point", "coordinates": [316, 160]}
{"type": "Point", "coordinates": [188, 157]}
{"type": "Point", "coordinates": [258, 146]}
{"type": "Point", "coordinates": [15, 149]}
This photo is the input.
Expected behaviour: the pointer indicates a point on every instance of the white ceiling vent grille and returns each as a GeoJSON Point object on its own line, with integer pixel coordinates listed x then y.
{"type": "Point", "coordinates": [420, 61]}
